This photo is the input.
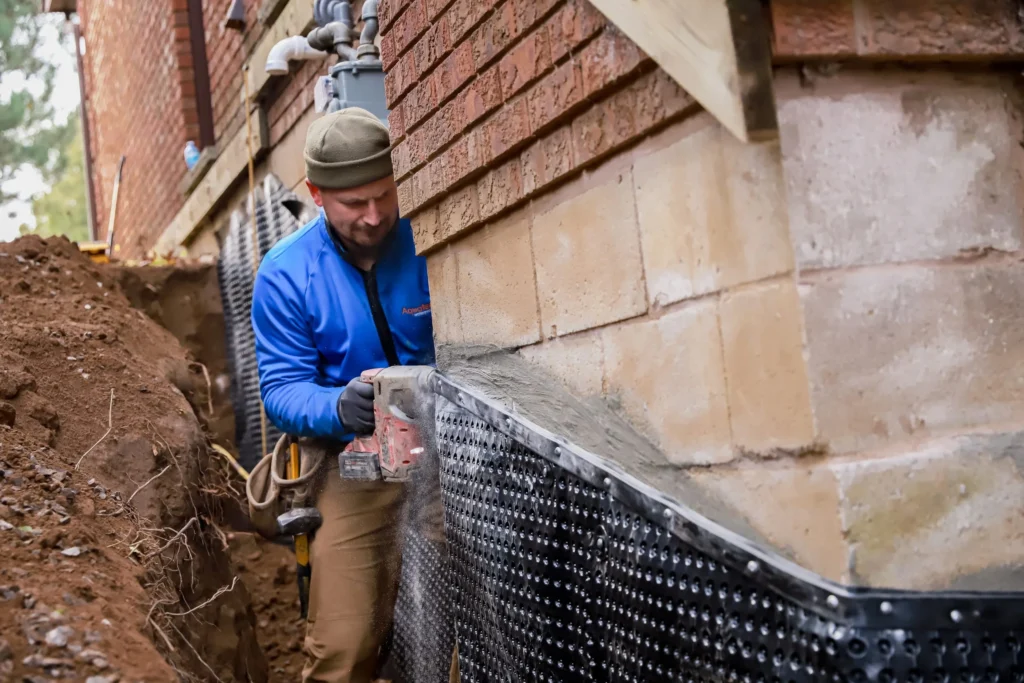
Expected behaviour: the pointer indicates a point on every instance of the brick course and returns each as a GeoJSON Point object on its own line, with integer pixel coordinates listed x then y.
{"type": "Point", "coordinates": [490, 89]}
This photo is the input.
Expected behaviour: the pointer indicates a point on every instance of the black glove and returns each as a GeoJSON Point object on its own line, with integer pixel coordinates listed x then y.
{"type": "Point", "coordinates": [355, 408]}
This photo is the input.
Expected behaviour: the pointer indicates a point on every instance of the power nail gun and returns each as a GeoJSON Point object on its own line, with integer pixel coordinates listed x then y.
{"type": "Point", "coordinates": [401, 396]}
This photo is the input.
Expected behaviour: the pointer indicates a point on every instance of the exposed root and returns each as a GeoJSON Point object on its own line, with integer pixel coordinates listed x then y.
{"type": "Point", "coordinates": [110, 426]}
{"type": "Point", "coordinates": [220, 591]}
{"type": "Point", "coordinates": [150, 481]}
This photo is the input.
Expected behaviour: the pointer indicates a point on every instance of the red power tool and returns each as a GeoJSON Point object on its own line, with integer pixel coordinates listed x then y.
{"type": "Point", "coordinates": [401, 396]}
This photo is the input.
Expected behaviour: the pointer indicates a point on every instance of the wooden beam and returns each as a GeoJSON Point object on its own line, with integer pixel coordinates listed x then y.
{"type": "Point", "coordinates": [229, 167]}
{"type": "Point", "coordinates": [296, 19]}
{"type": "Point", "coordinates": [717, 50]}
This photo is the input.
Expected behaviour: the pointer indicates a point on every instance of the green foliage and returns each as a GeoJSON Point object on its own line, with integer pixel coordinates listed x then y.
{"type": "Point", "coordinates": [62, 210]}
{"type": "Point", "coordinates": [29, 135]}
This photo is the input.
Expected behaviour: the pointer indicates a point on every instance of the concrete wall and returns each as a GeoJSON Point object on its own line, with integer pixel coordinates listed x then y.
{"type": "Point", "coordinates": [825, 334]}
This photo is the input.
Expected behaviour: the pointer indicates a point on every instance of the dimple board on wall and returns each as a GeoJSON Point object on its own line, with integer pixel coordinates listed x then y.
{"type": "Point", "coordinates": [279, 212]}
{"type": "Point", "coordinates": [565, 569]}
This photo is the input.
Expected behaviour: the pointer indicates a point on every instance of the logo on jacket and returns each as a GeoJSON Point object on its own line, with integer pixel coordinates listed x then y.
{"type": "Point", "coordinates": [418, 311]}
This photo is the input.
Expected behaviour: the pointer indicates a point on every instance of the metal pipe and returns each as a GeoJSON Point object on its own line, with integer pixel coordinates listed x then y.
{"type": "Point", "coordinates": [367, 50]}
{"type": "Point", "coordinates": [86, 135]}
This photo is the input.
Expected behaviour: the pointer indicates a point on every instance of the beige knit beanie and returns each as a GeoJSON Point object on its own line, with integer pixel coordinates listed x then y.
{"type": "Point", "coordinates": [347, 148]}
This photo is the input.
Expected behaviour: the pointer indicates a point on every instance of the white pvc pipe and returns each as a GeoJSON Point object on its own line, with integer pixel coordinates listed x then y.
{"type": "Point", "coordinates": [288, 50]}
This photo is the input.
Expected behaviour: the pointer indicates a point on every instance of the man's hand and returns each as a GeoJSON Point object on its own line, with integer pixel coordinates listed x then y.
{"type": "Point", "coordinates": [355, 408]}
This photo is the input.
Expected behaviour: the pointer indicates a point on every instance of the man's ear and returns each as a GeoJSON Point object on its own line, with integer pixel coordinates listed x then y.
{"type": "Point", "coordinates": [314, 192]}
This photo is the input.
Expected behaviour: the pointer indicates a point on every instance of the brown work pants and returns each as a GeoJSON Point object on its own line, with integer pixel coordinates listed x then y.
{"type": "Point", "coordinates": [356, 560]}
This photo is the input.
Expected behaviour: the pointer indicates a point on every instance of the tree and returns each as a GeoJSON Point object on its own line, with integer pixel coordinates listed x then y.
{"type": "Point", "coordinates": [29, 133]}
{"type": "Point", "coordinates": [62, 209]}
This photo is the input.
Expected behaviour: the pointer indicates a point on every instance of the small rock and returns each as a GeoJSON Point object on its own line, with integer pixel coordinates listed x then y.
{"type": "Point", "coordinates": [92, 637]}
{"type": "Point", "coordinates": [28, 602]}
{"type": "Point", "coordinates": [73, 551]}
{"type": "Point", "coordinates": [89, 655]}
{"type": "Point", "coordinates": [100, 663]}
{"type": "Point", "coordinates": [8, 592]}
{"type": "Point", "coordinates": [5, 650]}
{"type": "Point", "coordinates": [7, 414]}
{"type": "Point", "coordinates": [59, 636]}
{"type": "Point", "coordinates": [5, 526]}
{"type": "Point", "coordinates": [99, 679]}
{"type": "Point", "coordinates": [5, 512]}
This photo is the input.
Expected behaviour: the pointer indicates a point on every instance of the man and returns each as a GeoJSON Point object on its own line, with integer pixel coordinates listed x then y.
{"type": "Point", "coordinates": [344, 294]}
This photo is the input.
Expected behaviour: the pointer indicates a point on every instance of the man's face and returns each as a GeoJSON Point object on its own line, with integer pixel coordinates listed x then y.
{"type": "Point", "coordinates": [362, 215]}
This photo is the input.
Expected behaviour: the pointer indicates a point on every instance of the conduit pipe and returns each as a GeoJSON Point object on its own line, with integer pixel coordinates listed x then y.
{"type": "Point", "coordinates": [289, 50]}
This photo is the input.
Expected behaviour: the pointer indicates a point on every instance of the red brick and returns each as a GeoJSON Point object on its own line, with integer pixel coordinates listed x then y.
{"type": "Point", "coordinates": [435, 44]}
{"type": "Point", "coordinates": [482, 96]}
{"type": "Point", "coordinates": [609, 59]}
{"type": "Point", "coordinates": [440, 129]}
{"type": "Point", "coordinates": [464, 15]}
{"type": "Point", "coordinates": [527, 60]}
{"type": "Point", "coordinates": [401, 160]}
{"type": "Point", "coordinates": [459, 211]}
{"type": "Point", "coordinates": [388, 51]}
{"type": "Point", "coordinates": [573, 24]}
{"type": "Point", "coordinates": [529, 12]}
{"type": "Point", "coordinates": [627, 115]}
{"type": "Point", "coordinates": [435, 7]}
{"type": "Point", "coordinates": [657, 98]}
{"type": "Point", "coordinates": [461, 160]}
{"type": "Point", "coordinates": [547, 160]}
{"type": "Point", "coordinates": [940, 28]}
{"type": "Point", "coordinates": [504, 131]}
{"type": "Point", "coordinates": [494, 35]}
{"type": "Point", "coordinates": [402, 77]}
{"type": "Point", "coordinates": [453, 72]}
{"type": "Point", "coordinates": [555, 95]}
{"type": "Point", "coordinates": [409, 26]}
{"type": "Point", "coordinates": [420, 102]}
{"type": "Point", "coordinates": [428, 183]}
{"type": "Point", "coordinates": [500, 189]}
{"type": "Point", "coordinates": [406, 200]}
{"type": "Point", "coordinates": [396, 123]}
{"type": "Point", "coordinates": [387, 12]}
{"type": "Point", "coordinates": [823, 28]}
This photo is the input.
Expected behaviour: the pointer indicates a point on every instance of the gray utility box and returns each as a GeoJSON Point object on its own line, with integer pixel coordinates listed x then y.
{"type": "Point", "coordinates": [353, 84]}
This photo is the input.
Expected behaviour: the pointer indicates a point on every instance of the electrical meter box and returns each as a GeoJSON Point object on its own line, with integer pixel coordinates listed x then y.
{"type": "Point", "coordinates": [353, 84]}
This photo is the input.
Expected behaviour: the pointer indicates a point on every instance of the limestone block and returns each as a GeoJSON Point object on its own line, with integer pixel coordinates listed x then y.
{"type": "Point", "coordinates": [898, 167]}
{"type": "Point", "coordinates": [578, 361]}
{"type": "Point", "coordinates": [442, 275]}
{"type": "Point", "coordinates": [769, 391]}
{"type": "Point", "coordinates": [712, 212]}
{"type": "Point", "coordinates": [947, 514]}
{"type": "Point", "coordinates": [794, 506]}
{"type": "Point", "coordinates": [914, 351]}
{"type": "Point", "coordinates": [589, 270]}
{"type": "Point", "coordinates": [497, 295]}
{"type": "Point", "coordinates": [667, 375]}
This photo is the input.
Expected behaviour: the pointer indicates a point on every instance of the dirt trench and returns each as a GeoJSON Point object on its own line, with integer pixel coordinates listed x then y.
{"type": "Point", "coordinates": [123, 553]}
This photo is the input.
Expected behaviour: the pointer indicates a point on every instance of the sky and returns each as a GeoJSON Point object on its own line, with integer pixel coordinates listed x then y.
{"type": "Point", "coordinates": [66, 98]}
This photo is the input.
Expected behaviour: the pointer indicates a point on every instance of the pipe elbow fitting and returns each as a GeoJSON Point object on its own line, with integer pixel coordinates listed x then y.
{"type": "Point", "coordinates": [288, 50]}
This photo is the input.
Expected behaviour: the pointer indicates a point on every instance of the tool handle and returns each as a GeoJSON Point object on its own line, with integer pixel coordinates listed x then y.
{"type": "Point", "coordinates": [293, 462]}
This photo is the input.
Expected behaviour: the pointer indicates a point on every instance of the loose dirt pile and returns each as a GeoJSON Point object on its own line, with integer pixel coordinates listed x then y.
{"type": "Point", "coordinates": [116, 570]}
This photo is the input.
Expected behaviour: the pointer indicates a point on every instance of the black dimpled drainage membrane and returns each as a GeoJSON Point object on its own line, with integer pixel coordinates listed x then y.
{"type": "Point", "coordinates": [564, 569]}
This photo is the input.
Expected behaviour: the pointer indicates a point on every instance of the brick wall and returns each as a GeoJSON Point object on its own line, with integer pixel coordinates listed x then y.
{"type": "Point", "coordinates": [823, 333]}
{"type": "Point", "coordinates": [138, 112]}
{"type": "Point", "coordinates": [143, 49]}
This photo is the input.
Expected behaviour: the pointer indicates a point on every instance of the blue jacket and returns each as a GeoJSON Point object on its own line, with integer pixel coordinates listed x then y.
{"type": "Point", "coordinates": [320, 322]}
